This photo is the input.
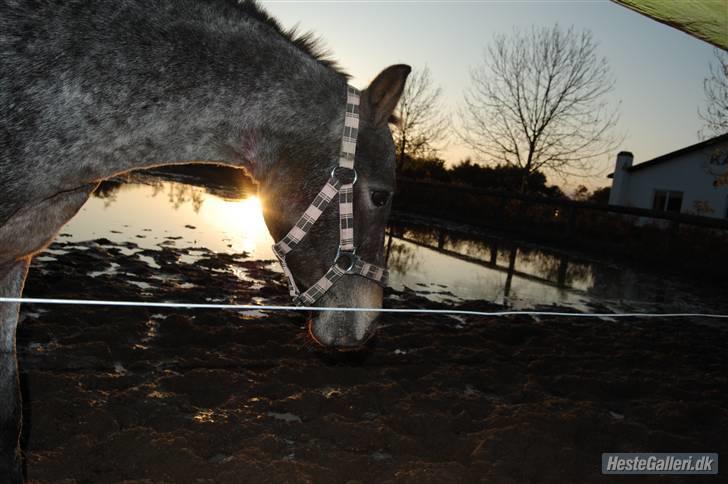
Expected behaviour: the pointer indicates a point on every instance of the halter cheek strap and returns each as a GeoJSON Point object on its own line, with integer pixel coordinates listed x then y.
{"type": "Point", "coordinates": [341, 182]}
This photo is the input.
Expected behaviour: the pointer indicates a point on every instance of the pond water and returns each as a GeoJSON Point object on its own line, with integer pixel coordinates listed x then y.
{"type": "Point", "coordinates": [440, 264]}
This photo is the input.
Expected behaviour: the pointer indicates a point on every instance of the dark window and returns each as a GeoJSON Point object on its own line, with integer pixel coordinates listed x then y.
{"type": "Point", "coordinates": [667, 201]}
{"type": "Point", "coordinates": [674, 202]}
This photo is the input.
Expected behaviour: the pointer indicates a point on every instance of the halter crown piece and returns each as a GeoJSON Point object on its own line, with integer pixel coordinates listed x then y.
{"type": "Point", "coordinates": [341, 182]}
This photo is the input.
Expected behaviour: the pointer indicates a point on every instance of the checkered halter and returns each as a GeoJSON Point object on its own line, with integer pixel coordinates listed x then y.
{"type": "Point", "coordinates": [340, 182]}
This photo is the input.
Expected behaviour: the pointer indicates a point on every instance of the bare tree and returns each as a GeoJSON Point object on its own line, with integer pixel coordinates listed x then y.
{"type": "Point", "coordinates": [715, 112]}
{"type": "Point", "coordinates": [422, 125]}
{"type": "Point", "coordinates": [539, 101]}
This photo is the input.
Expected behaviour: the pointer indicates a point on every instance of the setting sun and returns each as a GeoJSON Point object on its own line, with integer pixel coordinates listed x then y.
{"type": "Point", "coordinates": [242, 221]}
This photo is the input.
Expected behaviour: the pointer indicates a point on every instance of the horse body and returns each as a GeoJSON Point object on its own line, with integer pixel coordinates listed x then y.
{"type": "Point", "coordinates": [93, 89]}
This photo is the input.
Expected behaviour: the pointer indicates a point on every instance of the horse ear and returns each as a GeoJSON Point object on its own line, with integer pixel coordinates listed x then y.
{"type": "Point", "coordinates": [384, 92]}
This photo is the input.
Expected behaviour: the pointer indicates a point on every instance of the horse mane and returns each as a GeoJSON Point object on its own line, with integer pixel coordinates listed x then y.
{"type": "Point", "coordinates": [306, 42]}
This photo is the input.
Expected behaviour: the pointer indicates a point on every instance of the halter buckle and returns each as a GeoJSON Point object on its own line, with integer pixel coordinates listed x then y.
{"type": "Point", "coordinates": [347, 257]}
{"type": "Point", "coordinates": [347, 176]}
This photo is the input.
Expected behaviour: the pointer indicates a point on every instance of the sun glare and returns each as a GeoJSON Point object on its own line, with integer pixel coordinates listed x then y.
{"type": "Point", "coordinates": [242, 222]}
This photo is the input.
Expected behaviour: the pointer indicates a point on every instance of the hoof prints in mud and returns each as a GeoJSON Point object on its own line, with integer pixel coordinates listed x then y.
{"type": "Point", "coordinates": [118, 394]}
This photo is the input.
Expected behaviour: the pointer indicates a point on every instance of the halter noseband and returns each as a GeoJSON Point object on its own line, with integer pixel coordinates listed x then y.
{"type": "Point", "coordinates": [341, 182]}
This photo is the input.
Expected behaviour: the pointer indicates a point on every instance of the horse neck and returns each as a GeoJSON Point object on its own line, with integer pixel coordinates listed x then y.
{"type": "Point", "coordinates": [238, 97]}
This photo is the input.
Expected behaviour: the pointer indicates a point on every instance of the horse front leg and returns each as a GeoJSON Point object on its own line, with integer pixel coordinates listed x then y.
{"type": "Point", "coordinates": [12, 277]}
{"type": "Point", "coordinates": [27, 232]}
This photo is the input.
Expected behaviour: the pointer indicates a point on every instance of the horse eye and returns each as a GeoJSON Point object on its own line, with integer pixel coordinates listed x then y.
{"type": "Point", "coordinates": [379, 198]}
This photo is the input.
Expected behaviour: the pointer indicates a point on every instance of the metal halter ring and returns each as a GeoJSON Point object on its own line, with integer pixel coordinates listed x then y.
{"type": "Point", "coordinates": [343, 255]}
{"type": "Point", "coordinates": [344, 182]}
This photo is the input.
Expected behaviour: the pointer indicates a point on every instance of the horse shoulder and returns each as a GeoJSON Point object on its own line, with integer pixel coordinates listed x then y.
{"type": "Point", "coordinates": [32, 228]}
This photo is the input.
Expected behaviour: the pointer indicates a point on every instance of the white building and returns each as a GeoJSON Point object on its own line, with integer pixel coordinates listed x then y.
{"type": "Point", "coordinates": [691, 180]}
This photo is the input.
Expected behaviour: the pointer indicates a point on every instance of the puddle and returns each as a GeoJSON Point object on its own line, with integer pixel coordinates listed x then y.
{"type": "Point", "coordinates": [106, 272]}
{"type": "Point", "coordinates": [446, 266]}
{"type": "Point", "coordinates": [436, 263]}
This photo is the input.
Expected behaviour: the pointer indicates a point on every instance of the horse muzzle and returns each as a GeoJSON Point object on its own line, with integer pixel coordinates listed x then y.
{"type": "Point", "coordinates": [347, 329]}
{"type": "Point", "coordinates": [343, 330]}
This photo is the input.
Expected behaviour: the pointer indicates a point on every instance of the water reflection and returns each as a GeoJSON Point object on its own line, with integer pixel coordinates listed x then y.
{"type": "Point", "coordinates": [107, 191]}
{"type": "Point", "coordinates": [151, 211]}
{"type": "Point", "coordinates": [441, 264]}
{"type": "Point", "coordinates": [180, 194]}
{"type": "Point", "coordinates": [521, 275]}
{"type": "Point", "coordinates": [401, 258]}
{"type": "Point", "coordinates": [550, 268]}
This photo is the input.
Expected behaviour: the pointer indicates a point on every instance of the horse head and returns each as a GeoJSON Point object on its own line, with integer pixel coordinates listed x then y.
{"type": "Point", "coordinates": [290, 190]}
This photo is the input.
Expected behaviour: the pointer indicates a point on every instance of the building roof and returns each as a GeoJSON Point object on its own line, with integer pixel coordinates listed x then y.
{"type": "Point", "coordinates": [675, 154]}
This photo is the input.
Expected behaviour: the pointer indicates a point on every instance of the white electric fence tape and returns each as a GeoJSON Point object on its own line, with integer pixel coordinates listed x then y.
{"type": "Point", "coordinates": [248, 307]}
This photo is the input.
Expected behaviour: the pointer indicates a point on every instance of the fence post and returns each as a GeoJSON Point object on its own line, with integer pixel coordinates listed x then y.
{"type": "Point", "coordinates": [441, 239]}
{"type": "Point", "coordinates": [563, 271]}
{"type": "Point", "coordinates": [511, 269]}
{"type": "Point", "coordinates": [494, 254]}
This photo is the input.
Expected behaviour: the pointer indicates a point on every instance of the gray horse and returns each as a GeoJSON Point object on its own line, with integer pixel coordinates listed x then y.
{"type": "Point", "coordinates": [93, 89]}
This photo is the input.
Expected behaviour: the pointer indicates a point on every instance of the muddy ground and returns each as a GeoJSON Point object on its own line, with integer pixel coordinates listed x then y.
{"type": "Point", "coordinates": [152, 395]}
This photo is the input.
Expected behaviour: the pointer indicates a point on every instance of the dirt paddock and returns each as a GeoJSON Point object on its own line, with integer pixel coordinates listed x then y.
{"type": "Point", "coordinates": [143, 395]}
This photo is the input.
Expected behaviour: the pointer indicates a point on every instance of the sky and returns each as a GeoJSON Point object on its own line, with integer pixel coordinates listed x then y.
{"type": "Point", "coordinates": [659, 71]}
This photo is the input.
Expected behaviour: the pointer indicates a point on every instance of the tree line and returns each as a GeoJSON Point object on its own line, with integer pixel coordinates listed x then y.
{"type": "Point", "coordinates": [539, 103]}
{"type": "Point", "coordinates": [501, 177]}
